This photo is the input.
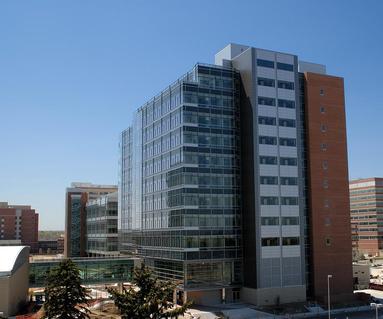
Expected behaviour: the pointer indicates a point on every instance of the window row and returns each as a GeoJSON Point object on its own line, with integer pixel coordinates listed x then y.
{"type": "Point", "coordinates": [275, 241]}
{"type": "Point", "coordinates": [208, 120]}
{"type": "Point", "coordinates": [273, 160]}
{"type": "Point", "coordinates": [272, 140]}
{"type": "Point", "coordinates": [266, 120]}
{"type": "Point", "coordinates": [205, 139]}
{"type": "Point", "coordinates": [271, 64]}
{"type": "Point", "coordinates": [271, 83]}
{"type": "Point", "coordinates": [274, 200]}
{"type": "Point", "coordinates": [208, 99]}
{"type": "Point", "coordinates": [273, 180]}
{"type": "Point", "coordinates": [215, 82]}
{"type": "Point", "coordinates": [262, 100]}
{"type": "Point", "coordinates": [274, 221]}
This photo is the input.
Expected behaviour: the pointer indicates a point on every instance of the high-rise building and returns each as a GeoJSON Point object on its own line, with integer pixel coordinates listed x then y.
{"type": "Point", "coordinates": [234, 181]}
{"type": "Point", "coordinates": [101, 226]}
{"type": "Point", "coordinates": [19, 222]}
{"type": "Point", "coordinates": [76, 198]}
{"type": "Point", "coordinates": [366, 203]}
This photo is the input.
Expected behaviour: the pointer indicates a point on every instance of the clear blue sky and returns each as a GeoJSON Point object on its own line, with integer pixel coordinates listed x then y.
{"type": "Point", "coordinates": [72, 72]}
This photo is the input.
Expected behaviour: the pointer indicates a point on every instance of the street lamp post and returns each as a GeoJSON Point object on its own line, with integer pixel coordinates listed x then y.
{"type": "Point", "coordinates": [376, 306]}
{"type": "Point", "coordinates": [328, 296]}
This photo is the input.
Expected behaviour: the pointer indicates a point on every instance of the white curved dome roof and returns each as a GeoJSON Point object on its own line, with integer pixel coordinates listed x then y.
{"type": "Point", "coordinates": [11, 258]}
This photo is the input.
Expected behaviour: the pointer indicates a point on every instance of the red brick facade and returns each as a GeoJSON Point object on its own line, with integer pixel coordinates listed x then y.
{"type": "Point", "coordinates": [328, 194]}
{"type": "Point", "coordinates": [19, 222]}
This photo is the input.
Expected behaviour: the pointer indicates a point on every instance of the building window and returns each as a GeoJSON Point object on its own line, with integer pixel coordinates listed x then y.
{"type": "Point", "coordinates": [270, 221]}
{"type": "Point", "coordinates": [288, 161]}
{"type": "Point", "coordinates": [286, 122]}
{"type": "Point", "coordinates": [323, 147]}
{"type": "Point", "coordinates": [286, 221]}
{"type": "Point", "coordinates": [323, 128]}
{"type": "Point", "coordinates": [289, 201]}
{"type": "Point", "coordinates": [266, 82]}
{"type": "Point", "coordinates": [290, 241]}
{"type": "Point", "coordinates": [265, 63]}
{"type": "Point", "coordinates": [268, 160]}
{"type": "Point", "coordinates": [284, 141]}
{"type": "Point", "coordinates": [289, 181]}
{"type": "Point", "coordinates": [269, 200]}
{"type": "Point", "coordinates": [271, 241]}
{"type": "Point", "coordinates": [286, 103]}
{"type": "Point", "coordinates": [269, 180]}
{"type": "Point", "coordinates": [322, 109]}
{"type": "Point", "coordinates": [321, 92]}
{"type": "Point", "coordinates": [269, 140]}
{"type": "Point", "coordinates": [286, 85]}
{"type": "Point", "coordinates": [285, 66]}
{"type": "Point", "coordinates": [325, 184]}
{"type": "Point", "coordinates": [266, 101]}
{"type": "Point", "coordinates": [327, 221]}
{"type": "Point", "coordinates": [265, 120]}
{"type": "Point", "coordinates": [326, 203]}
{"type": "Point", "coordinates": [325, 165]}
{"type": "Point", "coordinates": [328, 241]}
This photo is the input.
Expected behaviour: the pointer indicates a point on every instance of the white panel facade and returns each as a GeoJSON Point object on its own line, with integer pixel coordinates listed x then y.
{"type": "Point", "coordinates": [286, 94]}
{"type": "Point", "coordinates": [287, 113]}
{"type": "Point", "coordinates": [264, 110]}
{"type": "Point", "coordinates": [265, 72]}
{"type": "Point", "coordinates": [267, 130]}
{"type": "Point", "coordinates": [289, 171]}
{"type": "Point", "coordinates": [268, 149]}
{"type": "Point", "coordinates": [269, 210]}
{"type": "Point", "coordinates": [268, 170]}
{"type": "Point", "coordinates": [270, 231]}
{"type": "Point", "coordinates": [287, 132]}
{"type": "Point", "coordinates": [289, 190]}
{"type": "Point", "coordinates": [266, 91]}
{"type": "Point", "coordinates": [291, 251]}
{"type": "Point", "coordinates": [286, 75]}
{"type": "Point", "coordinates": [290, 211]}
{"type": "Point", "coordinates": [269, 190]}
{"type": "Point", "coordinates": [271, 252]}
{"type": "Point", "coordinates": [291, 231]}
{"type": "Point", "coordinates": [288, 151]}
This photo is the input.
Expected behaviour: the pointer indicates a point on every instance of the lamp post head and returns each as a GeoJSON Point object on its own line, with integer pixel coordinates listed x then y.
{"type": "Point", "coordinates": [329, 276]}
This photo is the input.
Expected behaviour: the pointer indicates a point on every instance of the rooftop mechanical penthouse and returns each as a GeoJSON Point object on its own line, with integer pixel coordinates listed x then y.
{"type": "Point", "coordinates": [234, 181]}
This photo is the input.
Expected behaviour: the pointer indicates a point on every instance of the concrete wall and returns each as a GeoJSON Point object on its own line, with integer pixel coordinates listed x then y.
{"type": "Point", "coordinates": [273, 296]}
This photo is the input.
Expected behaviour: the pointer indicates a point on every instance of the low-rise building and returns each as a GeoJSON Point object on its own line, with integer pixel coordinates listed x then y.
{"type": "Point", "coordinates": [14, 276]}
{"type": "Point", "coordinates": [361, 271]}
{"type": "Point", "coordinates": [101, 226]}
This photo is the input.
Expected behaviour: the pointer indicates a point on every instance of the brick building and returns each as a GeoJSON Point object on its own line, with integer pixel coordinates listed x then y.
{"type": "Point", "coordinates": [19, 222]}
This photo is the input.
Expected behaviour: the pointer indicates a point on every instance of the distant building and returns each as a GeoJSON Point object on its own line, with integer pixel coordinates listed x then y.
{"type": "Point", "coordinates": [366, 204]}
{"type": "Point", "coordinates": [76, 199]}
{"type": "Point", "coordinates": [19, 222]}
{"type": "Point", "coordinates": [14, 278]}
{"type": "Point", "coordinates": [60, 245]}
{"type": "Point", "coordinates": [101, 226]}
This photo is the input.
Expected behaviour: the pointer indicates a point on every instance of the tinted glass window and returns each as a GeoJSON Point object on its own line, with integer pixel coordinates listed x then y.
{"type": "Point", "coordinates": [285, 66]}
{"type": "Point", "coordinates": [265, 63]}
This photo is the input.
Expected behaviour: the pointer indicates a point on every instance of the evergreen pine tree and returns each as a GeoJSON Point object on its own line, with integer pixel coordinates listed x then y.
{"type": "Point", "coordinates": [64, 295]}
{"type": "Point", "coordinates": [147, 298]}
